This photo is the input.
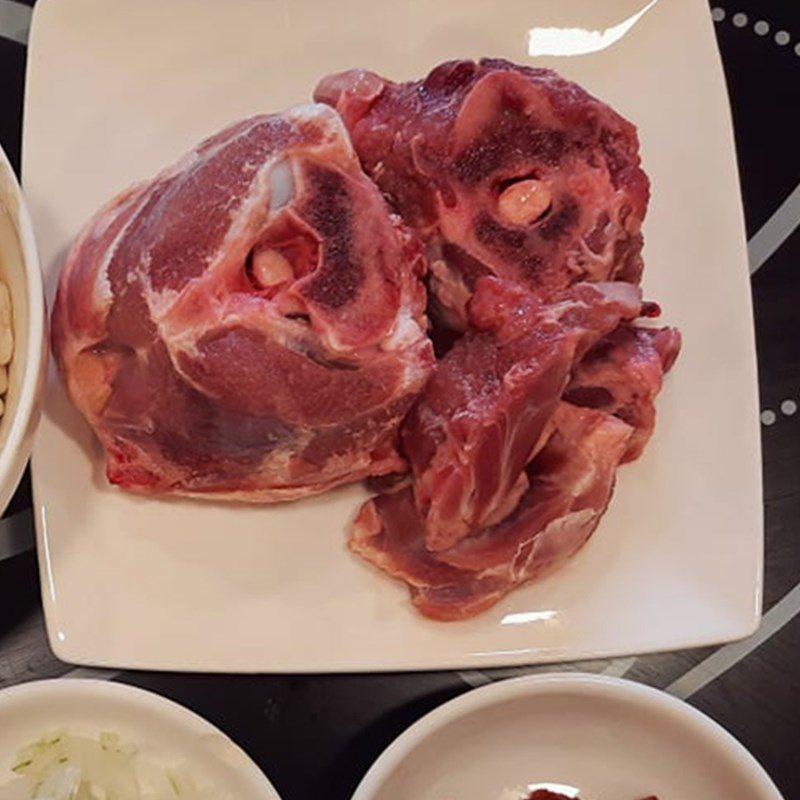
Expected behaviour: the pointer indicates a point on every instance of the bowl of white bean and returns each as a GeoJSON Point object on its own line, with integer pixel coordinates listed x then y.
{"type": "Point", "coordinates": [23, 353]}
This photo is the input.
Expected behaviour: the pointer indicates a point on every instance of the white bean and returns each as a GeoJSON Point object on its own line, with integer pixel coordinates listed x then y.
{"type": "Point", "coordinates": [6, 330]}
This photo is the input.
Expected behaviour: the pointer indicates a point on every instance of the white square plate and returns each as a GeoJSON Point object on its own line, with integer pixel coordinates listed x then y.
{"type": "Point", "coordinates": [117, 89]}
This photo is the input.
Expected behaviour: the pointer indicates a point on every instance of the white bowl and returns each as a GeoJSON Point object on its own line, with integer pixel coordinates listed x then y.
{"type": "Point", "coordinates": [160, 729]}
{"type": "Point", "coordinates": [584, 735]}
{"type": "Point", "coordinates": [19, 270]}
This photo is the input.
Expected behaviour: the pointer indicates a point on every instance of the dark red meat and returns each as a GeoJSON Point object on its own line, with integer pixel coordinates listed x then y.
{"type": "Point", "coordinates": [570, 484]}
{"type": "Point", "coordinates": [546, 794]}
{"type": "Point", "coordinates": [504, 170]}
{"type": "Point", "coordinates": [488, 407]}
{"type": "Point", "coordinates": [623, 374]}
{"type": "Point", "coordinates": [250, 323]}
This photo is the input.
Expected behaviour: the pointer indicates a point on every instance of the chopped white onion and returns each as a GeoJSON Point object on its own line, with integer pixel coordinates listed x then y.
{"type": "Point", "coordinates": [63, 766]}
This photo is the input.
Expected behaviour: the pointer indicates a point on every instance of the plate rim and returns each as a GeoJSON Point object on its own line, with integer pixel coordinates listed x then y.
{"type": "Point", "coordinates": [541, 656]}
{"type": "Point", "coordinates": [590, 684]}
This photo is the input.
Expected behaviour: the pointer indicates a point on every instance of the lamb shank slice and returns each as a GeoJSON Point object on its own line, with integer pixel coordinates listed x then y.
{"type": "Point", "coordinates": [249, 323]}
{"type": "Point", "coordinates": [503, 170]}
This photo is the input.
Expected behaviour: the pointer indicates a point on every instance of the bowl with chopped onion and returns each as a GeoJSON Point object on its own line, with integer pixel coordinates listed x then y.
{"type": "Point", "coordinates": [79, 739]}
{"type": "Point", "coordinates": [23, 352]}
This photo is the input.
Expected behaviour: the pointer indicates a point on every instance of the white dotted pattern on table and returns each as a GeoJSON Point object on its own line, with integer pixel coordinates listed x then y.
{"type": "Point", "coordinates": [787, 407]}
{"type": "Point", "coordinates": [761, 27]}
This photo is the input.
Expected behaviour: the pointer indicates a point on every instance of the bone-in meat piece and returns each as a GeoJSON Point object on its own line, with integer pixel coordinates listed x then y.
{"type": "Point", "coordinates": [250, 323]}
{"type": "Point", "coordinates": [503, 170]}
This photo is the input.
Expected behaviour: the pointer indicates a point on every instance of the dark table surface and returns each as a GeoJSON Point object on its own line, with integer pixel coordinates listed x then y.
{"type": "Point", "coordinates": [752, 687]}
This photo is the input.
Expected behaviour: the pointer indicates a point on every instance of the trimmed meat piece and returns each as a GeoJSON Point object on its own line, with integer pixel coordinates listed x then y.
{"type": "Point", "coordinates": [250, 323]}
{"type": "Point", "coordinates": [487, 408]}
{"type": "Point", "coordinates": [622, 375]}
{"type": "Point", "coordinates": [503, 170]}
{"type": "Point", "coordinates": [571, 481]}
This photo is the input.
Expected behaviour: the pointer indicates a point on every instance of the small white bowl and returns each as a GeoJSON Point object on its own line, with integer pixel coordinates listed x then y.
{"type": "Point", "coordinates": [583, 735]}
{"type": "Point", "coordinates": [161, 730]}
{"type": "Point", "coordinates": [19, 270]}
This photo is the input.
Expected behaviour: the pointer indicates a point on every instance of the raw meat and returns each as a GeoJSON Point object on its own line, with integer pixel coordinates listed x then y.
{"type": "Point", "coordinates": [250, 323]}
{"type": "Point", "coordinates": [623, 374]}
{"type": "Point", "coordinates": [546, 794]}
{"type": "Point", "coordinates": [504, 170]}
{"type": "Point", "coordinates": [571, 481]}
{"type": "Point", "coordinates": [488, 406]}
